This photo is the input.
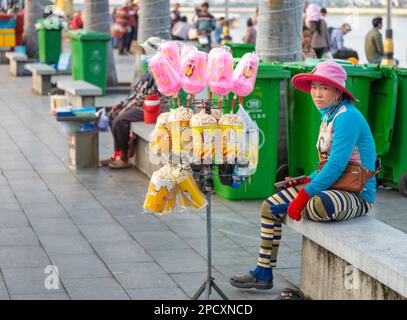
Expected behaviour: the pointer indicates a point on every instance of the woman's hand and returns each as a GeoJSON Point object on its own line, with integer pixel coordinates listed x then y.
{"type": "Point", "coordinates": [298, 205]}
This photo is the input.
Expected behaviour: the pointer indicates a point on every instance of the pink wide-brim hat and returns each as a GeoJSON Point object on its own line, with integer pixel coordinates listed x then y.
{"type": "Point", "coordinates": [327, 72]}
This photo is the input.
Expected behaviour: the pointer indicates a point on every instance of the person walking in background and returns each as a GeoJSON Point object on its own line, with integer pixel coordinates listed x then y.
{"type": "Point", "coordinates": [374, 43]}
{"type": "Point", "coordinates": [318, 29]}
{"type": "Point", "coordinates": [133, 21]}
{"type": "Point", "coordinates": [251, 33]}
{"type": "Point", "coordinates": [218, 32]}
{"type": "Point", "coordinates": [324, 13]}
{"type": "Point", "coordinates": [205, 25]}
{"type": "Point", "coordinates": [307, 52]}
{"type": "Point", "coordinates": [180, 30]}
{"type": "Point", "coordinates": [77, 22]}
{"type": "Point", "coordinates": [122, 20]}
{"type": "Point", "coordinates": [115, 39]}
{"type": "Point", "coordinates": [338, 49]}
{"type": "Point", "coordinates": [175, 14]}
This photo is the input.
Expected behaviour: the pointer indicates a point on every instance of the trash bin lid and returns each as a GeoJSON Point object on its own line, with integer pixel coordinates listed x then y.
{"type": "Point", "coordinates": [83, 35]}
{"type": "Point", "coordinates": [240, 45]}
{"type": "Point", "coordinates": [367, 70]}
{"type": "Point", "coordinates": [401, 71]}
{"type": "Point", "coordinates": [52, 23]}
{"type": "Point", "coordinates": [273, 70]}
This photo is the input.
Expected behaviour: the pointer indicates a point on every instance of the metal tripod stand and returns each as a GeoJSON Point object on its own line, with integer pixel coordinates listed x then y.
{"type": "Point", "coordinates": [209, 283]}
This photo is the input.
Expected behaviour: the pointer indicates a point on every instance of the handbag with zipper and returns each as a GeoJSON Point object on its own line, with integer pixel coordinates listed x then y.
{"type": "Point", "coordinates": [353, 178]}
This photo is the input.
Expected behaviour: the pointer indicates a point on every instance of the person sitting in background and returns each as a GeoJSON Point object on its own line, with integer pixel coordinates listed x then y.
{"type": "Point", "coordinates": [374, 43]}
{"type": "Point", "coordinates": [218, 32]}
{"type": "Point", "coordinates": [77, 22]}
{"type": "Point", "coordinates": [181, 29]}
{"type": "Point", "coordinates": [338, 49]}
{"type": "Point", "coordinates": [307, 51]}
{"type": "Point", "coordinates": [251, 33]}
{"type": "Point", "coordinates": [131, 109]}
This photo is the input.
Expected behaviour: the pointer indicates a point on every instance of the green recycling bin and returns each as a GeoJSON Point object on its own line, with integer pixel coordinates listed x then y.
{"type": "Point", "coordinates": [303, 118]}
{"type": "Point", "coordinates": [239, 49]}
{"type": "Point", "coordinates": [394, 162]}
{"type": "Point", "coordinates": [263, 106]}
{"type": "Point", "coordinates": [382, 108]}
{"type": "Point", "coordinates": [88, 56]}
{"type": "Point", "coordinates": [49, 40]}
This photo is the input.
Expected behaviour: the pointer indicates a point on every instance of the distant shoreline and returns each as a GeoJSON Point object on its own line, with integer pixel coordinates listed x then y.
{"type": "Point", "coordinates": [339, 11]}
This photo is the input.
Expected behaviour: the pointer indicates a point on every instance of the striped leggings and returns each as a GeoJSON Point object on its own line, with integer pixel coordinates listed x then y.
{"type": "Point", "coordinates": [329, 205]}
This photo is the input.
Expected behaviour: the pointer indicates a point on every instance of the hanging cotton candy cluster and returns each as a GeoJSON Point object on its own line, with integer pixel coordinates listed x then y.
{"type": "Point", "coordinates": [193, 70]}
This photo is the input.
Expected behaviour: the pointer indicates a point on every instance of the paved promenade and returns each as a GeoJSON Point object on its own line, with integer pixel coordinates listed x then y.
{"type": "Point", "coordinates": [90, 224]}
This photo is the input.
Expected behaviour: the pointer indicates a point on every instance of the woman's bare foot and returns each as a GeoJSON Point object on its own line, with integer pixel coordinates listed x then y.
{"type": "Point", "coordinates": [106, 162]}
{"type": "Point", "coordinates": [120, 164]}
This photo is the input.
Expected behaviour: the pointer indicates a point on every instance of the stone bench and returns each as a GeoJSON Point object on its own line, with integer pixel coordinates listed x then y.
{"type": "Point", "coordinates": [41, 75]}
{"type": "Point", "coordinates": [143, 138]}
{"type": "Point", "coordinates": [80, 93]}
{"type": "Point", "coordinates": [356, 259]}
{"type": "Point", "coordinates": [17, 61]}
{"type": "Point", "coordinates": [3, 58]}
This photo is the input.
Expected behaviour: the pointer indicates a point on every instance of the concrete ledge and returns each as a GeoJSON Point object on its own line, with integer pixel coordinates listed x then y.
{"type": "Point", "coordinates": [80, 93]}
{"type": "Point", "coordinates": [17, 56]}
{"type": "Point", "coordinates": [3, 52]}
{"type": "Point", "coordinates": [375, 248]}
{"type": "Point", "coordinates": [17, 61]}
{"type": "Point", "coordinates": [41, 74]}
{"type": "Point", "coordinates": [79, 88]}
{"type": "Point", "coordinates": [141, 158]}
{"type": "Point", "coordinates": [40, 69]}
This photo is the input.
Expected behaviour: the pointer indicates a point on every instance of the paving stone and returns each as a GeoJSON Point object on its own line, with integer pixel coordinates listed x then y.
{"type": "Point", "coordinates": [95, 289]}
{"type": "Point", "coordinates": [51, 226]}
{"type": "Point", "coordinates": [159, 240]}
{"type": "Point", "coordinates": [80, 266]}
{"type": "Point", "coordinates": [137, 275]}
{"type": "Point", "coordinates": [65, 244]}
{"type": "Point", "coordinates": [104, 232]}
{"type": "Point", "coordinates": [22, 257]}
{"type": "Point", "coordinates": [140, 222]}
{"type": "Point", "coordinates": [17, 237]}
{"type": "Point", "coordinates": [94, 217]}
{"type": "Point", "coordinates": [179, 260]}
{"type": "Point", "coordinates": [121, 251]}
{"type": "Point", "coordinates": [157, 294]}
{"type": "Point", "coordinates": [45, 296]}
{"type": "Point", "coordinates": [28, 281]}
{"type": "Point", "coordinates": [13, 219]}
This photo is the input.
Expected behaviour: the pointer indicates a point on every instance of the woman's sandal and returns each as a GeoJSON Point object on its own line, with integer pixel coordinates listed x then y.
{"type": "Point", "coordinates": [291, 294]}
{"type": "Point", "coordinates": [120, 164]}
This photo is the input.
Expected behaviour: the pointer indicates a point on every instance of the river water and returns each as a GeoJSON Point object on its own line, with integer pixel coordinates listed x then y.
{"type": "Point", "coordinates": [361, 24]}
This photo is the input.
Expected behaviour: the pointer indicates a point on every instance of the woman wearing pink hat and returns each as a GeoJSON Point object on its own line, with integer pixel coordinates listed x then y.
{"type": "Point", "coordinates": [344, 136]}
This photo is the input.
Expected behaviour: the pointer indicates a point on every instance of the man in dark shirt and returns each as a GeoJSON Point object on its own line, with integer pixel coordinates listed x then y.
{"type": "Point", "coordinates": [205, 25]}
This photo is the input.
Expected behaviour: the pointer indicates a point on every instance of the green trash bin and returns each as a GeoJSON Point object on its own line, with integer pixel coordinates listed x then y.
{"type": "Point", "coordinates": [382, 108]}
{"type": "Point", "coordinates": [394, 162]}
{"type": "Point", "coordinates": [263, 106]}
{"type": "Point", "coordinates": [88, 56]}
{"type": "Point", "coordinates": [303, 118]}
{"type": "Point", "coordinates": [49, 40]}
{"type": "Point", "coordinates": [239, 49]}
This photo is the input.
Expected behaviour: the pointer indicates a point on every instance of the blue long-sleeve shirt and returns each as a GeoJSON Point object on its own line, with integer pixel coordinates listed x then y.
{"type": "Point", "coordinates": [337, 40]}
{"type": "Point", "coordinates": [350, 129]}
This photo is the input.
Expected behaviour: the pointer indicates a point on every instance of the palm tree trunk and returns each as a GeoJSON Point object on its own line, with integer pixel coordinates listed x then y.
{"type": "Point", "coordinates": [280, 30]}
{"type": "Point", "coordinates": [33, 12]}
{"type": "Point", "coordinates": [154, 20]}
{"type": "Point", "coordinates": [279, 38]}
{"type": "Point", "coordinates": [97, 18]}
